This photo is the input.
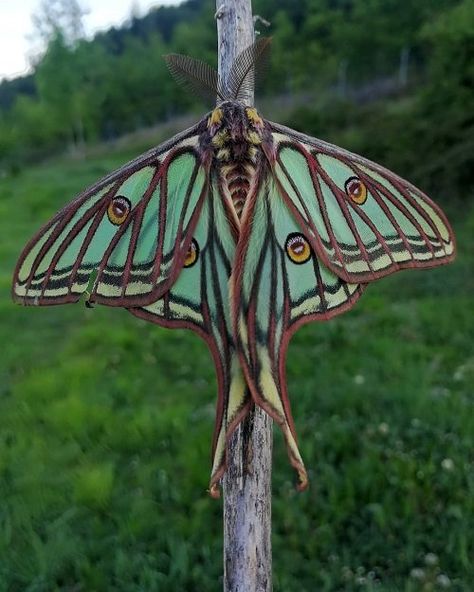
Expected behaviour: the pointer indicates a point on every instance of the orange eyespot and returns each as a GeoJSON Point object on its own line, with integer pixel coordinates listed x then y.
{"type": "Point", "coordinates": [297, 248]}
{"type": "Point", "coordinates": [192, 254]}
{"type": "Point", "coordinates": [356, 190]}
{"type": "Point", "coordinates": [118, 210]}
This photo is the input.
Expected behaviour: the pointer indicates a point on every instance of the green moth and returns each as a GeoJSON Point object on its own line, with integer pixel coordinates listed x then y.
{"type": "Point", "coordinates": [241, 230]}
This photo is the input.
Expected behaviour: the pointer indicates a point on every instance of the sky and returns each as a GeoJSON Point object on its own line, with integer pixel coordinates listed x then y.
{"type": "Point", "coordinates": [16, 25]}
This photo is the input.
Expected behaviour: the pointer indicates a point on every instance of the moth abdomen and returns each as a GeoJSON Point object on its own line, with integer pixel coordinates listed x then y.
{"type": "Point", "coordinates": [235, 134]}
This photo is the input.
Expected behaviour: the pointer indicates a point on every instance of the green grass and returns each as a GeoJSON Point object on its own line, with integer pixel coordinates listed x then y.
{"type": "Point", "coordinates": [105, 431]}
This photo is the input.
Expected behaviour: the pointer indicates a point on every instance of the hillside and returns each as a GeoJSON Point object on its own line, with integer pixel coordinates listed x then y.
{"type": "Point", "coordinates": [84, 91]}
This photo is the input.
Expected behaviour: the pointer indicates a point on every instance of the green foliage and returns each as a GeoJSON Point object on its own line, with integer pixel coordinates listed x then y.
{"type": "Point", "coordinates": [135, 80]}
{"type": "Point", "coordinates": [71, 84]}
{"type": "Point", "coordinates": [106, 425]}
{"type": "Point", "coordinates": [446, 106]}
{"type": "Point", "coordinates": [94, 485]}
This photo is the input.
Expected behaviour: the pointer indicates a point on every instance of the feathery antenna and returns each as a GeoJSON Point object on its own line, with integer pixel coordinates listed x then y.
{"type": "Point", "coordinates": [250, 62]}
{"type": "Point", "coordinates": [202, 79]}
{"type": "Point", "coordinates": [194, 75]}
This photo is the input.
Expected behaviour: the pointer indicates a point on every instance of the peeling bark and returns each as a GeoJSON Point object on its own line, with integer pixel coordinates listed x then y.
{"type": "Point", "coordinates": [247, 482]}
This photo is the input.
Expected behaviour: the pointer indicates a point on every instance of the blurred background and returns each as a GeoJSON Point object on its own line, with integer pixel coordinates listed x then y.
{"type": "Point", "coordinates": [106, 422]}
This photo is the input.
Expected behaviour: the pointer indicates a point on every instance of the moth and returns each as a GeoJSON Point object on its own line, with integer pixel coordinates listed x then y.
{"type": "Point", "coordinates": [241, 230]}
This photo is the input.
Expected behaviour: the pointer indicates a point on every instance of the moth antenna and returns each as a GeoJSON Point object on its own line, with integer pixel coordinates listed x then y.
{"type": "Point", "coordinates": [250, 61]}
{"type": "Point", "coordinates": [195, 75]}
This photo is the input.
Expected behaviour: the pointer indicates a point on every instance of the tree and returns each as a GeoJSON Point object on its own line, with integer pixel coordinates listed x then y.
{"type": "Point", "coordinates": [59, 16]}
{"type": "Point", "coordinates": [447, 103]}
{"type": "Point", "coordinates": [60, 71]}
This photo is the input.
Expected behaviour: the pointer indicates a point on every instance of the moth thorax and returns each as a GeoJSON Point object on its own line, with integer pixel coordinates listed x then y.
{"type": "Point", "coordinates": [238, 178]}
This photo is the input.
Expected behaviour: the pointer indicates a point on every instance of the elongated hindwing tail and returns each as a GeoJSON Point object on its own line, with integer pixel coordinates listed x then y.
{"type": "Point", "coordinates": [199, 300]}
{"type": "Point", "coordinates": [130, 231]}
{"type": "Point", "coordinates": [364, 221]}
{"type": "Point", "coordinates": [279, 283]}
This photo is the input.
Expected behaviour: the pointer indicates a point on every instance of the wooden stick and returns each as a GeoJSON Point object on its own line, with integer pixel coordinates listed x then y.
{"type": "Point", "coordinates": [247, 482]}
{"type": "Point", "coordinates": [248, 505]}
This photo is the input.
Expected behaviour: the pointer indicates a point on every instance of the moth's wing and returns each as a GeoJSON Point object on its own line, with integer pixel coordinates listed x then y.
{"type": "Point", "coordinates": [199, 300]}
{"type": "Point", "coordinates": [363, 220]}
{"type": "Point", "coordinates": [274, 294]}
{"type": "Point", "coordinates": [124, 239]}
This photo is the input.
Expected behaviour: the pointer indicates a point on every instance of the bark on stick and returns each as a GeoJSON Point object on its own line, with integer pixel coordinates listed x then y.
{"type": "Point", "coordinates": [247, 482]}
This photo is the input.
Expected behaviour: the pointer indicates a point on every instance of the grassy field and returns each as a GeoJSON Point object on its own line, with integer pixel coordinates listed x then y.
{"type": "Point", "coordinates": [106, 422]}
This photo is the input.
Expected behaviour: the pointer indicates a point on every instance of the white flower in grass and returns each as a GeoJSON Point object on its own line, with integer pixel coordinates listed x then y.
{"type": "Point", "coordinates": [443, 581]}
{"type": "Point", "coordinates": [447, 464]}
{"type": "Point", "coordinates": [431, 559]}
{"type": "Point", "coordinates": [384, 428]}
{"type": "Point", "coordinates": [359, 379]}
{"type": "Point", "coordinates": [372, 575]}
{"type": "Point", "coordinates": [417, 573]}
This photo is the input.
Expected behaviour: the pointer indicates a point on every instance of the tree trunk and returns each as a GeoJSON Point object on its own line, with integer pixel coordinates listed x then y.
{"type": "Point", "coordinates": [247, 481]}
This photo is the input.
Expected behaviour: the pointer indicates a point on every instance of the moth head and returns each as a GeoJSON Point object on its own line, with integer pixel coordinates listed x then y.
{"type": "Point", "coordinates": [233, 122]}
{"type": "Point", "coordinates": [215, 121]}
{"type": "Point", "coordinates": [254, 126]}
{"type": "Point", "coordinates": [227, 123]}
{"type": "Point", "coordinates": [218, 126]}
{"type": "Point", "coordinates": [235, 118]}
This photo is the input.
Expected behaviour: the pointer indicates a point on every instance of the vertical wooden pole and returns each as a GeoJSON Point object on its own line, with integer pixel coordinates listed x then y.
{"type": "Point", "coordinates": [247, 482]}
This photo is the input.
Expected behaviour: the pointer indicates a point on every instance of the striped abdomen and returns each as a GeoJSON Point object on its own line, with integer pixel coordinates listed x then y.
{"type": "Point", "coordinates": [237, 179]}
